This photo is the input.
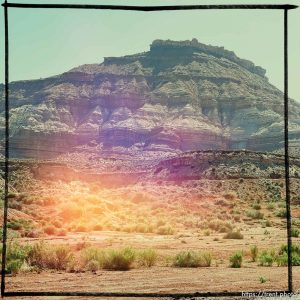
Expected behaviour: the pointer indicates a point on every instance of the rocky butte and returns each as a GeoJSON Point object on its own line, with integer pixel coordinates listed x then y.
{"type": "Point", "coordinates": [179, 96]}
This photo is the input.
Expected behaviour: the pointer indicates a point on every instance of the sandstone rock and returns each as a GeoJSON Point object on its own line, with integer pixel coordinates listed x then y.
{"type": "Point", "coordinates": [179, 96]}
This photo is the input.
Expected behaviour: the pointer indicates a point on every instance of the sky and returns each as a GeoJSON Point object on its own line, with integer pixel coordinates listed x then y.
{"type": "Point", "coordinates": [44, 43]}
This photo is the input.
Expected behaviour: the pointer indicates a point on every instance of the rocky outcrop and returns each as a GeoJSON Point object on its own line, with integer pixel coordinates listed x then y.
{"type": "Point", "coordinates": [179, 96]}
{"type": "Point", "coordinates": [224, 165]}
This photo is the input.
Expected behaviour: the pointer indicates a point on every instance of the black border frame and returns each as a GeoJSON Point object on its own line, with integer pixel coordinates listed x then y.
{"type": "Point", "coordinates": [284, 7]}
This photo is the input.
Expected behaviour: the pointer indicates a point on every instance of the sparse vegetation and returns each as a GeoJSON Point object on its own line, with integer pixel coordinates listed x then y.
{"type": "Point", "coordinates": [236, 260]}
{"type": "Point", "coordinates": [192, 259]}
{"type": "Point", "coordinates": [119, 260]}
{"type": "Point", "coordinates": [147, 257]}
{"type": "Point", "coordinates": [236, 235]}
{"type": "Point", "coordinates": [254, 214]}
{"type": "Point", "coordinates": [254, 253]}
{"type": "Point", "coordinates": [267, 258]}
{"type": "Point", "coordinates": [281, 213]}
{"type": "Point", "coordinates": [45, 256]}
{"type": "Point", "coordinates": [262, 279]}
{"type": "Point", "coordinates": [295, 232]}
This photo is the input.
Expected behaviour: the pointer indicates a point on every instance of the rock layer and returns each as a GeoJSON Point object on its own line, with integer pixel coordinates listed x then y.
{"type": "Point", "coordinates": [179, 96]}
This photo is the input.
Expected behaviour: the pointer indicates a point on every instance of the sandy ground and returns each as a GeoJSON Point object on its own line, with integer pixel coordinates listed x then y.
{"type": "Point", "coordinates": [157, 280]}
{"type": "Point", "coordinates": [163, 279]}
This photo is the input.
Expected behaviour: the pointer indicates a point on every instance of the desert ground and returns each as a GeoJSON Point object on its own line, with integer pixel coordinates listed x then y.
{"type": "Point", "coordinates": [148, 236]}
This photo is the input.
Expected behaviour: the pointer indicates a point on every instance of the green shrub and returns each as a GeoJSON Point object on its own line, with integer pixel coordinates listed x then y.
{"type": "Point", "coordinates": [92, 254]}
{"type": "Point", "coordinates": [147, 258]}
{"type": "Point", "coordinates": [236, 259]}
{"type": "Point", "coordinates": [256, 206]}
{"type": "Point", "coordinates": [262, 279]}
{"type": "Point", "coordinates": [192, 259]}
{"type": "Point", "coordinates": [267, 258]}
{"type": "Point", "coordinates": [16, 256]}
{"type": "Point", "coordinates": [282, 258]}
{"type": "Point", "coordinates": [281, 213]}
{"type": "Point", "coordinates": [253, 253]}
{"type": "Point", "coordinates": [120, 260]}
{"type": "Point", "coordinates": [294, 232]}
{"type": "Point", "coordinates": [14, 266]}
{"type": "Point", "coordinates": [236, 235]}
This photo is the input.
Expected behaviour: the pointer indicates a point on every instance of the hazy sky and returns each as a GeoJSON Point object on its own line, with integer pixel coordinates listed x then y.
{"type": "Point", "coordinates": [48, 42]}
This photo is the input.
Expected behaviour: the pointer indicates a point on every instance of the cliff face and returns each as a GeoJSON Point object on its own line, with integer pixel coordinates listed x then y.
{"type": "Point", "coordinates": [179, 96]}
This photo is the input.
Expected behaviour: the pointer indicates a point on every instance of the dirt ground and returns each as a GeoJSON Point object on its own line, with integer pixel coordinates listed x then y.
{"type": "Point", "coordinates": [166, 279]}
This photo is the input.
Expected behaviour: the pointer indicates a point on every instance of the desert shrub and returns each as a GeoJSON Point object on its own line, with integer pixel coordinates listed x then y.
{"type": "Point", "coordinates": [20, 224]}
{"type": "Point", "coordinates": [236, 259]}
{"type": "Point", "coordinates": [206, 232]}
{"type": "Point", "coordinates": [50, 230]}
{"type": "Point", "coordinates": [270, 206]}
{"type": "Point", "coordinates": [281, 213]}
{"type": "Point", "coordinates": [294, 232]}
{"type": "Point", "coordinates": [14, 224]}
{"type": "Point", "coordinates": [256, 206]}
{"type": "Point", "coordinates": [268, 223]}
{"type": "Point", "coordinates": [237, 235]}
{"type": "Point", "coordinates": [205, 259]}
{"type": "Point", "coordinates": [282, 258]}
{"type": "Point", "coordinates": [121, 260]}
{"type": "Point", "coordinates": [267, 258]}
{"type": "Point", "coordinates": [294, 248]}
{"type": "Point", "coordinates": [281, 204]}
{"type": "Point", "coordinates": [92, 254]}
{"type": "Point", "coordinates": [93, 266]}
{"type": "Point", "coordinates": [16, 256]}
{"type": "Point", "coordinates": [14, 204]}
{"type": "Point", "coordinates": [165, 230]}
{"type": "Point", "coordinates": [13, 266]}
{"type": "Point", "coordinates": [262, 279]}
{"type": "Point", "coordinates": [142, 228]}
{"type": "Point", "coordinates": [147, 257]}
{"type": "Point", "coordinates": [44, 256]}
{"type": "Point", "coordinates": [295, 259]}
{"type": "Point", "coordinates": [83, 244]}
{"type": "Point", "coordinates": [192, 259]}
{"type": "Point", "coordinates": [254, 214]}
{"type": "Point", "coordinates": [63, 256]}
{"type": "Point", "coordinates": [32, 233]}
{"type": "Point", "coordinates": [219, 225]}
{"type": "Point", "coordinates": [254, 253]}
